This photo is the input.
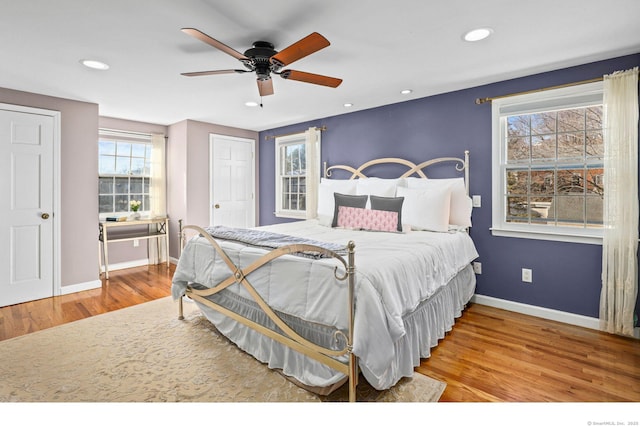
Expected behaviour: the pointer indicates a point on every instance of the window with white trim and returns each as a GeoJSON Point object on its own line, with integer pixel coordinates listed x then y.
{"type": "Point", "coordinates": [294, 175]}
{"type": "Point", "coordinates": [124, 172]}
{"type": "Point", "coordinates": [548, 164]}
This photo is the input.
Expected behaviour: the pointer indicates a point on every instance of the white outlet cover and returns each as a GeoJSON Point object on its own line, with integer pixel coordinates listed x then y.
{"type": "Point", "coordinates": [477, 268]}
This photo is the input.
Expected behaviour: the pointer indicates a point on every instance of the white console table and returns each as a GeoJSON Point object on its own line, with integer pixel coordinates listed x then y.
{"type": "Point", "coordinates": [121, 231]}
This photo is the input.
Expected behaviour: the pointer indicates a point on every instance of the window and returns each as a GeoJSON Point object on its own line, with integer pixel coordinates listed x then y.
{"type": "Point", "coordinates": [297, 163]}
{"type": "Point", "coordinates": [548, 164]}
{"type": "Point", "coordinates": [124, 169]}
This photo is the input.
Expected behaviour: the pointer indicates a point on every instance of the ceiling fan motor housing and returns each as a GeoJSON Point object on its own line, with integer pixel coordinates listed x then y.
{"type": "Point", "coordinates": [260, 54]}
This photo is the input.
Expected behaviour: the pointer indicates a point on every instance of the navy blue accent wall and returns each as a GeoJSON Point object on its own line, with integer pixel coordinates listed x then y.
{"type": "Point", "coordinates": [566, 276]}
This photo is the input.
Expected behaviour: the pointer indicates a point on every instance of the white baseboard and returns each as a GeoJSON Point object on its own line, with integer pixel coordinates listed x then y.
{"type": "Point", "coordinates": [545, 313]}
{"type": "Point", "coordinates": [79, 287]}
{"type": "Point", "coordinates": [173, 260]}
{"type": "Point", "coordinates": [95, 284]}
{"type": "Point", "coordinates": [128, 264]}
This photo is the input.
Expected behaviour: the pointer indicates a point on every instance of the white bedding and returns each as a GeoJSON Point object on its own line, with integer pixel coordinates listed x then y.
{"type": "Point", "coordinates": [395, 274]}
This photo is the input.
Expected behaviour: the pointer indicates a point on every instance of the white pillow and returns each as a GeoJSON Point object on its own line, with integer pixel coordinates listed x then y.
{"type": "Point", "coordinates": [461, 204]}
{"type": "Point", "coordinates": [380, 187]}
{"type": "Point", "coordinates": [426, 208]}
{"type": "Point", "coordinates": [326, 202]}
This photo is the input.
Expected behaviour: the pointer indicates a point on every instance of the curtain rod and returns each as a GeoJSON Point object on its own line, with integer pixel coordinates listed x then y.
{"type": "Point", "coordinates": [127, 134]}
{"type": "Point", "coordinates": [117, 132]}
{"type": "Point", "coordinates": [267, 137]}
{"type": "Point", "coordinates": [484, 100]}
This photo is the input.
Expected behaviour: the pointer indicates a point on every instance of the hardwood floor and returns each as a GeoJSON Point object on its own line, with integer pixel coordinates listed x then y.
{"type": "Point", "coordinates": [491, 355]}
{"type": "Point", "coordinates": [123, 289]}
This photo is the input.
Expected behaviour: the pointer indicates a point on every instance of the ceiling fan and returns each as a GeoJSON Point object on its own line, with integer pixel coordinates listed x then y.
{"type": "Point", "coordinates": [264, 60]}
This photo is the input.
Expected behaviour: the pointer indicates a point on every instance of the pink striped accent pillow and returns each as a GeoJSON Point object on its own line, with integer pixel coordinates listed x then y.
{"type": "Point", "coordinates": [367, 219]}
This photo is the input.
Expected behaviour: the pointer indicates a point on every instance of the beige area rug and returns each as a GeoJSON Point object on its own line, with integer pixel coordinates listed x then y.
{"type": "Point", "coordinates": [145, 354]}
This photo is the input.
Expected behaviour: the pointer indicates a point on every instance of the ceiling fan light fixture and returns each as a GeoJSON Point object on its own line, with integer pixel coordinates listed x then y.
{"type": "Point", "coordinates": [477, 34]}
{"type": "Point", "coordinates": [93, 64]}
{"type": "Point", "coordinates": [251, 104]}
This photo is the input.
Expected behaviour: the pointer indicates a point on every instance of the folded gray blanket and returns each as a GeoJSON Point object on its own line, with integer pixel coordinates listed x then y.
{"type": "Point", "coordinates": [270, 240]}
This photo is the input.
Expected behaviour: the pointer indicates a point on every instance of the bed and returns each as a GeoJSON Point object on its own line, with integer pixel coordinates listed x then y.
{"type": "Point", "coordinates": [364, 289]}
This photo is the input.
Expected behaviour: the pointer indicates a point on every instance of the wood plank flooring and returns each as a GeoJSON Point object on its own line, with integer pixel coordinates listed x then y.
{"type": "Point", "coordinates": [491, 355]}
{"type": "Point", "coordinates": [123, 289]}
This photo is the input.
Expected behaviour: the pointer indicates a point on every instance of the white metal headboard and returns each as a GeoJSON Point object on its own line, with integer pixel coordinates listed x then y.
{"type": "Point", "coordinates": [462, 165]}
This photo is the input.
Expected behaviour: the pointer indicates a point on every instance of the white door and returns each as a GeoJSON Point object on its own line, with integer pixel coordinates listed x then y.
{"type": "Point", "coordinates": [232, 181]}
{"type": "Point", "coordinates": [27, 138]}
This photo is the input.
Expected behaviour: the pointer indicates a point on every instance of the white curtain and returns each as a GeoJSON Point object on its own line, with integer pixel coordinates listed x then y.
{"type": "Point", "coordinates": [312, 150]}
{"type": "Point", "coordinates": [620, 243]}
{"type": "Point", "coordinates": [158, 191]}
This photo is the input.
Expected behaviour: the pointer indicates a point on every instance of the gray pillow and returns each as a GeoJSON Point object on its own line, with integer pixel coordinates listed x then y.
{"type": "Point", "coordinates": [391, 204]}
{"type": "Point", "coordinates": [348, 201]}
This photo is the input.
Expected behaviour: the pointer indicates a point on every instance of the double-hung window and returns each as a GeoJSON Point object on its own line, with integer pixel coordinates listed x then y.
{"type": "Point", "coordinates": [124, 172]}
{"type": "Point", "coordinates": [297, 174]}
{"type": "Point", "coordinates": [548, 165]}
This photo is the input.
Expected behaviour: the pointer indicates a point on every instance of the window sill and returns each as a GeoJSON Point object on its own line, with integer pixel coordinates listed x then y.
{"type": "Point", "coordinates": [143, 214]}
{"type": "Point", "coordinates": [292, 215]}
{"type": "Point", "coordinates": [541, 235]}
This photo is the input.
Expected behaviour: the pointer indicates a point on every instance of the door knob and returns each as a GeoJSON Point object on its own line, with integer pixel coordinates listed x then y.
{"type": "Point", "coordinates": [45, 216]}
{"type": "Point", "coordinates": [217, 206]}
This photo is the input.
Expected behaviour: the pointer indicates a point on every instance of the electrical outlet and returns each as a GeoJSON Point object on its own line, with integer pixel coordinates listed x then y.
{"type": "Point", "coordinates": [527, 275]}
{"type": "Point", "coordinates": [477, 267]}
{"type": "Point", "coordinates": [136, 243]}
{"type": "Point", "coordinates": [477, 200]}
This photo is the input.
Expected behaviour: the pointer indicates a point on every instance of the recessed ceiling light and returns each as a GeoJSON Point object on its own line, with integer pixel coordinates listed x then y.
{"type": "Point", "coordinates": [96, 65]}
{"type": "Point", "coordinates": [406, 91]}
{"type": "Point", "coordinates": [348, 104]}
{"type": "Point", "coordinates": [251, 104]}
{"type": "Point", "coordinates": [478, 34]}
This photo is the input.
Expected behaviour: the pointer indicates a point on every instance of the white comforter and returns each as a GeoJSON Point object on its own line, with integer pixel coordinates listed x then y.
{"type": "Point", "coordinates": [395, 272]}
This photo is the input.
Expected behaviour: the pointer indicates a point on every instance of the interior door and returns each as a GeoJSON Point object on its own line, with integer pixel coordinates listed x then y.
{"type": "Point", "coordinates": [27, 143]}
{"type": "Point", "coordinates": [232, 181]}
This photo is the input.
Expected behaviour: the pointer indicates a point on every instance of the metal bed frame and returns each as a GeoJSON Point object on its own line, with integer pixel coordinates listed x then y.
{"type": "Point", "coordinates": [289, 337]}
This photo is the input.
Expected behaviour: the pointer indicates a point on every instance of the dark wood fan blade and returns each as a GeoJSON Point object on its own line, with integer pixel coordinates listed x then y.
{"type": "Point", "coordinates": [316, 79]}
{"type": "Point", "coordinates": [210, 73]}
{"type": "Point", "coordinates": [213, 42]}
{"type": "Point", "coordinates": [265, 87]}
{"type": "Point", "coordinates": [306, 46]}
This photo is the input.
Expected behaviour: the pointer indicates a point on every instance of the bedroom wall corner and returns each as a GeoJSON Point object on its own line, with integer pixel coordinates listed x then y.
{"type": "Point", "coordinates": [176, 182]}
{"type": "Point", "coordinates": [188, 173]}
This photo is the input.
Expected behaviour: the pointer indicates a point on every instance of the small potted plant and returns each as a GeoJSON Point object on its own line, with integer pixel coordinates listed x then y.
{"type": "Point", "coordinates": [135, 205]}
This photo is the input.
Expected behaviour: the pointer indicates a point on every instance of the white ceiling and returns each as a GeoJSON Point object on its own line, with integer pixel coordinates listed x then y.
{"type": "Point", "coordinates": [377, 47]}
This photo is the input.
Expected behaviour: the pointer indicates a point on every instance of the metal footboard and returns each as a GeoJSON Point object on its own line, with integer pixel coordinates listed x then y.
{"type": "Point", "coordinates": [288, 337]}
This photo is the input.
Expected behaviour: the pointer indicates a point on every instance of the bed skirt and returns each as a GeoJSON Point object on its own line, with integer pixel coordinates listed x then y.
{"type": "Point", "coordinates": [425, 326]}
